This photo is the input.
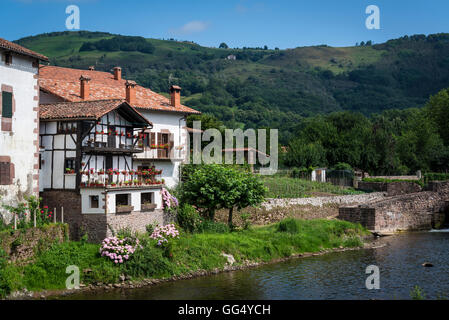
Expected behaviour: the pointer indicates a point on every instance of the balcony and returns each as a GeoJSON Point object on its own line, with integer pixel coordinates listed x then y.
{"type": "Point", "coordinates": [121, 180]}
{"type": "Point", "coordinates": [160, 153]}
{"type": "Point", "coordinates": [102, 148]}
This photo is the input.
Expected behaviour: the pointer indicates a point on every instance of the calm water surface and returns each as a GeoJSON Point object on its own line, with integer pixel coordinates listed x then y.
{"type": "Point", "coordinates": [332, 276]}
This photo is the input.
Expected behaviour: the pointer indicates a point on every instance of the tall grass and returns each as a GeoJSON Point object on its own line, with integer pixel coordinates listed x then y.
{"type": "Point", "coordinates": [286, 187]}
{"type": "Point", "coordinates": [191, 252]}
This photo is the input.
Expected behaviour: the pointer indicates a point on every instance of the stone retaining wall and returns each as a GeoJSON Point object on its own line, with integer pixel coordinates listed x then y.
{"type": "Point", "coordinates": [391, 188]}
{"type": "Point", "coordinates": [320, 201]}
{"type": "Point", "coordinates": [98, 226]}
{"type": "Point", "coordinates": [415, 211]}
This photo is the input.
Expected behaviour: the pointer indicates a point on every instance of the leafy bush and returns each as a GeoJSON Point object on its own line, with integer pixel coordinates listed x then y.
{"type": "Point", "coordinates": [188, 218]}
{"type": "Point", "coordinates": [208, 226]}
{"type": "Point", "coordinates": [431, 176]}
{"type": "Point", "coordinates": [288, 225]}
{"type": "Point", "coordinates": [148, 262]}
{"type": "Point", "coordinates": [119, 249]}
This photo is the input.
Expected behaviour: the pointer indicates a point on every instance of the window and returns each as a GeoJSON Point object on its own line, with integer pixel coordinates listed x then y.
{"type": "Point", "coordinates": [122, 199]}
{"type": "Point", "coordinates": [5, 173]}
{"type": "Point", "coordinates": [69, 165]}
{"type": "Point", "coordinates": [66, 127]}
{"type": "Point", "coordinates": [146, 198]}
{"type": "Point", "coordinates": [94, 202]}
{"type": "Point", "coordinates": [8, 58]}
{"type": "Point", "coordinates": [6, 104]}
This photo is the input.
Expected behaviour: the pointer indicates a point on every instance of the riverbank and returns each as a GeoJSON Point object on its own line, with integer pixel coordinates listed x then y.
{"type": "Point", "coordinates": [192, 255]}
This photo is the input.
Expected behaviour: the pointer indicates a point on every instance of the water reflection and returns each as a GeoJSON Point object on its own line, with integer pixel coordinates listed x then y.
{"type": "Point", "coordinates": [333, 276]}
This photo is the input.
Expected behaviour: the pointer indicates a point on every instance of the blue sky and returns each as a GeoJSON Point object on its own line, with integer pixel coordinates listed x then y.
{"type": "Point", "coordinates": [275, 23]}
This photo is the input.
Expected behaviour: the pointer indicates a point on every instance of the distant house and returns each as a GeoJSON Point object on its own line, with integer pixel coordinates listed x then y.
{"type": "Point", "coordinates": [231, 57]}
{"type": "Point", "coordinates": [19, 133]}
{"type": "Point", "coordinates": [319, 175]}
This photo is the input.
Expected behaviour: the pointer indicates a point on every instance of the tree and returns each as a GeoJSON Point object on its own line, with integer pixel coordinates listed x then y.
{"type": "Point", "coordinates": [438, 111]}
{"type": "Point", "coordinates": [212, 187]}
{"type": "Point", "coordinates": [223, 46]}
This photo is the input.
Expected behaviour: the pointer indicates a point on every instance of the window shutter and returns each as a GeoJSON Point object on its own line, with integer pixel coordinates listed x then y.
{"type": "Point", "coordinates": [159, 141]}
{"type": "Point", "coordinates": [5, 173]}
{"type": "Point", "coordinates": [6, 104]}
{"type": "Point", "coordinates": [153, 138]}
{"type": "Point", "coordinates": [171, 144]}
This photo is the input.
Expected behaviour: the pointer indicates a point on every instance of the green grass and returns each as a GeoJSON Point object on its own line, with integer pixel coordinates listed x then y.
{"type": "Point", "coordinates": [191, 252]}
{"type": "Point", "coordinates": [286, 187]}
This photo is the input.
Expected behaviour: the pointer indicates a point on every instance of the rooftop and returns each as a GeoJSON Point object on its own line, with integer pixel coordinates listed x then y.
{"type": "Point", "coordinates": [65, 83]}
{"type": "Point", "coordinates": [11, 46]}
{"type": "Point", "coordinates": [89, 110]}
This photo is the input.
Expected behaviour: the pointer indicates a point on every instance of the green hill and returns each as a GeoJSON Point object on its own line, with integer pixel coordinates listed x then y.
{"type": "Point", "coordinates": [262, 87]}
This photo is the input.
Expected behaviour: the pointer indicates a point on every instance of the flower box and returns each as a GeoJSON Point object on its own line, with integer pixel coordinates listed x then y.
{"type": "Point", "coordinates": [148, 206]}
{"type": "Point", "coordinates": [124, 209]}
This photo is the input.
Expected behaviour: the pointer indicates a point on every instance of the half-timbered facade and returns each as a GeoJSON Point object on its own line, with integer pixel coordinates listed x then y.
{"type": "Point", "coordinates": [164, 145]}
{"type": "Point", "coordinates": [87, 167]}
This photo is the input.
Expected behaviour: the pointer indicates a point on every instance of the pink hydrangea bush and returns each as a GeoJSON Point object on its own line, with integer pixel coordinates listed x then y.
{"type": "Point", "coordinates": [119, 250]}
{"type": "Point", "coordinates": [164, 233]}
{"type": "Point", "coordinates": [169, 202]}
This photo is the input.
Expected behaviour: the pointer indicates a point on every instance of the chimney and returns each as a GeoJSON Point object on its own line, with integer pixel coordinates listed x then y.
{"type": "Point", "coordinates": [118, 73]}
{"type": "Point", "coordinates": [175, 94]}
{"type": "Point", "coordinates": [131, 92]}
{"type": "Point", "coordinates": [91, 68]}
{"type": "Point", "coordinates": [85, 88]}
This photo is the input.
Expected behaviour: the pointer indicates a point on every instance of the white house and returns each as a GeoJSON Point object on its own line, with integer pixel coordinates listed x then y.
{"type": "Point", "coordinates": [148, 137]}
{"type": "Point", "coordinates": [19, 114]}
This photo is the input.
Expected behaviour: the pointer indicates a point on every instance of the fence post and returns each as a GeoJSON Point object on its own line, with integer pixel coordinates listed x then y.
{"type": "Point", "coordinates": [35, 213]}
{"type": "Point", "coordinates": [15, 221]}
{"type": "Point", "coordinates": [54, 216]}
{"type": "Point", "coordinates": [62, 214]}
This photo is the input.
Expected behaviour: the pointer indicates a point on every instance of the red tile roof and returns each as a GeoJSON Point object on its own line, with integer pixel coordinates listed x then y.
{"type": "Point", "coordinates": [87, 110]}
{"type": "Point", "coordinates": [65, 83]}
{"type": "Point", "coordinates": [8, 45]}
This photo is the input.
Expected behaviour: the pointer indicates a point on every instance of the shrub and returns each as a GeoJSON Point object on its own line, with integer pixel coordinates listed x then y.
{"type": "Point", "coordinates": [119, 249]}
{"type": "Point", "coordinates": [208, 226]}
{"type": "Point", "coordinates": [169, 202]}
{"type": "Point", "coordinates": [164, 233]}
{"type": "Point", "coordinates": [148, 262]}
{"type": "Point", "coordinates": [288, 225]}
{"type": "Point", "coordinates": [188, 218]}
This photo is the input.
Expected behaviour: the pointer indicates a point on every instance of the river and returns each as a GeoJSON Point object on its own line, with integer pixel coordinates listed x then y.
{"type": "Point", "coordinates": [339, 275]}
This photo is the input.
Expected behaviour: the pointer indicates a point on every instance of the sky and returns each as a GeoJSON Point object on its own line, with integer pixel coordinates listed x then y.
{"type": "Point", "coordinates": [239, 23]}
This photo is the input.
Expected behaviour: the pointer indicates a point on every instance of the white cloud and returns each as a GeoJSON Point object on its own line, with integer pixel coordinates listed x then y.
{"type": "Point", "coordinates": [191, 27]}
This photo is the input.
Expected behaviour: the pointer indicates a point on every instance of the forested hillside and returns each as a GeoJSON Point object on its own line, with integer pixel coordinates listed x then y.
{"type": "Point", "coordinates": [264, 87]}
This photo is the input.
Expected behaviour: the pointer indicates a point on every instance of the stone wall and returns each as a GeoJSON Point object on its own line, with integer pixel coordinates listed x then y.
{"type": "Point", "coordinates": [71, 201]}
{"type": "Point", "coordinates": [391, 188]}
{"type": "Point", "coordinates": [136, 221]}
{"type": "Point", "coordinates": [414, 211]}
{"type": "Point", "coordinates": [98, 226]}
{"type": "Point", "coordinates": [320, 201]}
{"type": "Point", "coordinates": [22, 245]}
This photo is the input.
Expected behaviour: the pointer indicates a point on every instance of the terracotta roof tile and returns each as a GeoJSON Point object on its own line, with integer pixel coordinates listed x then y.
{"type": "Point", "coordinates": [91, 110]}
{"type": "Point", "coordinates": [64, 82]}
{"type": "Point", "coordinates": [8, 45]}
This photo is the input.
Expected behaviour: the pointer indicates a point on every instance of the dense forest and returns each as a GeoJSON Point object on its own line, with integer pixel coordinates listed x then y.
{"type": "Point", "coordinates": [362, 105]}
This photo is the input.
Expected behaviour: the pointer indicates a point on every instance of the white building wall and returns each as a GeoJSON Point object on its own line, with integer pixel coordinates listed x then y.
{"type": "Point", "coordinates": [21, 143]}
{"type": "Point", "coordinates": [175, 123]}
